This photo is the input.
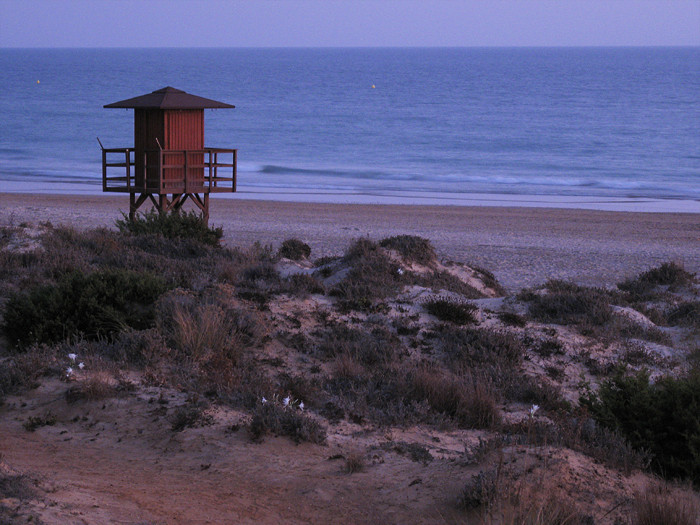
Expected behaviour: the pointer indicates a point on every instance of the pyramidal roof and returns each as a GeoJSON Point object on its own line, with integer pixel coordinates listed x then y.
{"type": "Point", "coordinates": [169, 98]}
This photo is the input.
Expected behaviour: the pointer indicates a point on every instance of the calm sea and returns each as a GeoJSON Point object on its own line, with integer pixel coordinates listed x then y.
{"type": "Point", "coordinates": [615, 122]}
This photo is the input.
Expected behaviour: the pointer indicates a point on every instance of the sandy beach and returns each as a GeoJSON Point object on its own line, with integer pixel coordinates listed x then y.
{"type": "Point", "coordinates": [522, 246]}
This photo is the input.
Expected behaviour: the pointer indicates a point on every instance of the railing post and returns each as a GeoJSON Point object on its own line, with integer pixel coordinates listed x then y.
{"type": "Point", "coordinates": [235, 168]}
{"type": "Point", "coordinates": [104, 170]}
{"type": "Point", "coordinates": [211, 153]}
{"type": "Point", "coordinates": [128, 168]}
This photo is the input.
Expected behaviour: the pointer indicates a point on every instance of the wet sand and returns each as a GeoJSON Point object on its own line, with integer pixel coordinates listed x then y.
{"type": "Point", "coordinates": [521, 246]}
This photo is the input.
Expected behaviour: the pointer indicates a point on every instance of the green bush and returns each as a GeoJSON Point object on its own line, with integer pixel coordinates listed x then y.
{"type": "Point", "coordinates": [95, 305]}
{"type": "Point", "coordinates": [476, 347]}
{"type": "Point", "coordinates": [175, 225]}
{"type": "Point", "coordinates": [449, 310]}
{"type": "Point", "coordinates": [372, 277]}
{"type": "Point", "coordinates": [512, 319]}
{"type": "Point", "coordinates": [285, 421]}
{"type": "Point", "coordinates": [294, 249]}
{"type": "Point", "coordinates": [568, 303]}
{"type": "Point", "coordinates": [661, 417]}
{"type": "Point", "coordinates": [412, 248]}
{"type": "Point", "coordinates": [685, 314]}
{"type": "Point", "coordinates": [668, 274]}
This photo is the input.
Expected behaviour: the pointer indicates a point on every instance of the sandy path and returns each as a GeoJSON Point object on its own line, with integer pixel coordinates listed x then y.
{"type": "Point", "coordinates": [522, 246]}
{"type": "Point", "coordinates": [123, 464]}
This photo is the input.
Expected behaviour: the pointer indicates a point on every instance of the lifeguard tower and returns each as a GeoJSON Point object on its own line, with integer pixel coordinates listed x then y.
{"type": "Point", "coordinates": [168, 163]}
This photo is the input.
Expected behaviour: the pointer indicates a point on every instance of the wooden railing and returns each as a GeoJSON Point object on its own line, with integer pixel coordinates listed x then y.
{"type": "Point", "coordinates": [163, 172]}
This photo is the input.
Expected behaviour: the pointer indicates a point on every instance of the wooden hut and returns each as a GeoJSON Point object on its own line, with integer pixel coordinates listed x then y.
{"type": "Point", "coordinates": [169, 163]}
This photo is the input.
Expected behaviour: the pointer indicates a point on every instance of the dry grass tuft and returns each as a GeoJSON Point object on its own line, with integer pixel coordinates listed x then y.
{"type": "Point", "coordinates": [660, 506]}
{"type": "Point", "coordinates": [411, 248]}
{"type": "Point", "coordinates": [451, 310]}
{"type": "Point", "coordinates": [354, 462]}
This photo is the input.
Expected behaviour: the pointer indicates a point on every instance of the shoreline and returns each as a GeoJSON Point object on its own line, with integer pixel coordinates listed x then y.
{"type": "Point", "coordinates": [522, 246]}
{"type": "Point", "coordinates": [397, 197]}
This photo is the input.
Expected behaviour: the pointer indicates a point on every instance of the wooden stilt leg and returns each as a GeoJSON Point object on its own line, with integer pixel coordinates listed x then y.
{"type": "Point", "coordinates": [132, 206]}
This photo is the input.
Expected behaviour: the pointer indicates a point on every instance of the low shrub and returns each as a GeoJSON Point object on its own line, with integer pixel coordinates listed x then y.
{"type": "Point", "coordinates": [568, 303]}
{"type": "Point", "coordinates": [187, 416]}
{"type": "Point", "coordinates": [473, 347]}
{"type": "Point", "coordinates": [549, 347]}
{"type": "Point", "coordinates": [264, 271]}
{"type": "Point", "coordinates": [96, 386]}
{"type": "Point", "coordinates": [93, 306]}
{"type": "Point", "coordinates": [354, 462]}
{"type": "Point", "coordinates": [512, 319]}
{"type": "Point", "coordinates": [368, 347]}
{"type": "Point", "coordinates": [274, 418]}
{"type": "Point", "coordinates": [662, 417]}
{"type": "Point", "coordinates": [294, 249]}
{"type": "Point", "coordinates": [685, 314]}
{"type": "Point", "coordinates": [411, 248]}
{"type": "Point", "coordinates": [480, 491]}
{"type": "Point", "coordinates": [451, 310]}
{"type": "Point", "coordinates": [15, 486]}
{"type": "Point", "coordinates": [33, 422]}
{"type": "Point", "coordinates": [469, 400]}
{"type": "Point", "coordinates": [301, 285]}
{"type": "Point", "coordinates": [659, 506]}
{"type": "Point", "coordinates": [372, 277]}
{"type": "Point", "coordinates": [489, 279]}
{"type": "Point", "coordinates": [416, 451]}
{"type": "Point", "coordinates": [444, 280]}
{"type": "Point", "coordinates": [22, 371]}
{"type": "Point", "coordinates": [668, 274]}
{"type": "Point", "coordinates": [360, 249]}
{"type": "Point", "coordinates": [174, 225]}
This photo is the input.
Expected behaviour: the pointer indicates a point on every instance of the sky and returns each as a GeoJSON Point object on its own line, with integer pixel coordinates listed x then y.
{"type": "Point", "coordinates": [354, 23]}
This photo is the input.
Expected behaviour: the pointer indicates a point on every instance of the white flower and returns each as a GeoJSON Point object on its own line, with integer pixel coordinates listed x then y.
{"type": "Point", "coordinates": [81, 365]}
{"type": "Point", "coordinates": [72, 357]}
{"type": "Point", "coordinates": [301, 406]}
{"type": "Point", "coordinates": [534, 409]}
{"type": "Point", "coordinates": [285, 401]}
{"type": "Point", "coordinates": [400, 271]}
{"type": "Point", "coordinates": [69, 371]}
{"type": "Point", "coordinates": [264, 400]}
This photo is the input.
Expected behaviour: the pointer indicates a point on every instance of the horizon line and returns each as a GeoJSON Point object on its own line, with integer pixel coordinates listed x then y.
{"type": "Point", "coordinates": [533, 46]}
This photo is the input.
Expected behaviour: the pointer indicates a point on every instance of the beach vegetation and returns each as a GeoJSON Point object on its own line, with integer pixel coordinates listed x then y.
{"type": "Point", "coordinates": [686, 313]}
{"type": "Point", "coordinates": [459, 312]}
{"type": "Point", "coordinates": [512, 319]}
{"type": "Point", "coordinates": [662, 418]}
{"type": "Point", "coordinates": [92, 306]}
{"type": "Point", "coordinates": [476, 347]}
{"type": "Point", "coordinates": [439, 280]}
{"type": "Point", "coordinates": [301, 285]}
{"type": "Point", "coordinates": [283, 419]}
{"type": "Point", "coordinates": [489, 279]}
{"type": "Point", "coordinates": [411, 248]}
{"type": "Point", "coordinates": [223, 326]}
{"type": "Point", "coordinates": [354, 462]}
{"type": "Point", "coordinates": [367, 347]}
{"type": "Point", "coordinates": [45, 420]}
{"type": "Point", "coordinates": [571, 304]}
{"type": "Point", "coordinates": [371, 278]}
{"type": "Point", "coordinates": [294, 249]}
{"type": "Point", "coordinates": [669, 274]}
{"type": "Point", "coordinates": [189, 415]}
{"type": "Point", "coordinates": [661, 505]}
{"type": "Point", "coordinates": [172, 225]}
